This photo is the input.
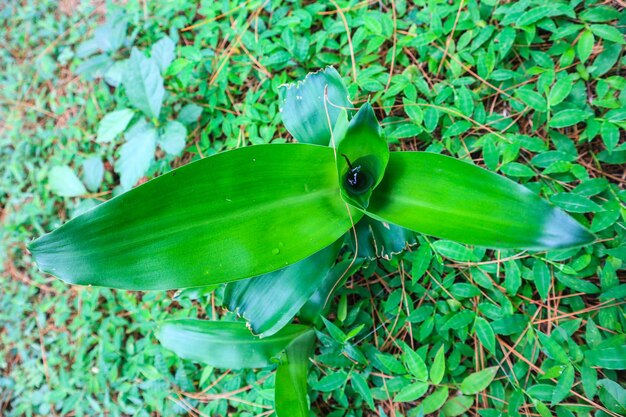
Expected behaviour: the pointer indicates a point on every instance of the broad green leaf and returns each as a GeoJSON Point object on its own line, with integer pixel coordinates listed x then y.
{"type": "Point", "coordinates": [566, 118]}
{"type": "Point", "coordinates": [64, 182]}
{"type": "Point", "coordinates": [268, 302]}
{"type": "Point", "coordinates": [143, 84]}
{"type": "Point", "coordinates": [136, 154]}
{"type": "Point", "coordinates": [411, 392]}
{"type": "Point", "coordinates": [360, 386]}
{"type": "Point", "coordinates": [113, 123]}
{"type": "Point", "coordinates": [438, 368]}
{"type": "Point", "coordinates": [93, 172]}
{"type": "Point", "coordinates": [485, 334]}
{"type": "Point", "coordinates": [435, 400]}
{"type": "Point", "coordinates": [172, 138]}
{"type": "Point", "coordinates": [291, 378]}
{"type": "Point", "coordinates": [362, 155]}
{"type": "Point", "coordinates": [231, 216]}
{"type": "Point", "coordinates": [225, 344]}
{"type": "Point", "coordinates": [163, 53]}
{"type": "Point", "coordinates": [457, 405]}
{"type": "Point", "coordinates": [608, 358]}
{"type": "Point", "coordinates": [564, 384]}
{"type": "Point", "coordinates": [534, 14]}
{"type": "Point", "coordinates": [380, 239]}
{"type": "Point", "coordinates": [303, 110]}
{"type": "Point", "coordinates": [451, 199]}
{"type": "Point", "coordinates": [459, 320]}
{"type": "Point", "coordinates": [478, 381]}
{"type": "Point", "coordinates": [589, 379]}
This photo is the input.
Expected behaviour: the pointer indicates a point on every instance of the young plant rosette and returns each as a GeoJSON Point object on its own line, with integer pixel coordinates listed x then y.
{"type": "Point", "coordinates": [271, 220]}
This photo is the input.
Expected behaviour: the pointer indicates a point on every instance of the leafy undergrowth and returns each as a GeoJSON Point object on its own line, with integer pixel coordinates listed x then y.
{"type": "Point", "coordinates": [533, 90]}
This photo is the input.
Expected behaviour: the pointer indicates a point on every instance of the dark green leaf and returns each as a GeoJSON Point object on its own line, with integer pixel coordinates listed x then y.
{"type": "Point", "coordinates": [291, 378]}
{"type": "Point", "coordinates": [268, 302]}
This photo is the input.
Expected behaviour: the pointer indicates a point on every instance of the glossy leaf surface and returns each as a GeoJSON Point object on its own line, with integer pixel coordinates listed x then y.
{"type": "Point", "coordinates": [447, 198]}
{"type": "Point", "coordinates": [270, 301]}
{"type": "Point", "coordinates": [303, 109]}
{"type": "Point", "coordinates": [230, 216]}
{"type": "Point", "coordinates": [225, 344]}
{"type": "Point", "coordinates": [291, 378]}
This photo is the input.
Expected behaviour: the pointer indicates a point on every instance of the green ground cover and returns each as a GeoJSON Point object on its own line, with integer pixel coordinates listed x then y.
{"type": "Point", "coordinates": [533, 90]}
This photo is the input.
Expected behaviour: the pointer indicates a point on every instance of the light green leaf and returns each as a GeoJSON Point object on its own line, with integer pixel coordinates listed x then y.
{"type": "Point", "coordinates": [575, 203]}
{"type": "Point", "coordinates": [451, 199]}
{"type": "Point", "coordinates": [584, 47]}
{"type": "Point", "coordinates": [172, 138]}
{"type": "Point", "coordinates": [202, 217]}
{"type": "Point", "coordinates": [64, 182]}
{"type": "Point", "coordinates": [438, 367]}
{"type": "Point", "coordinates": [189, 114]}
{"type": "Point", "coordinates": [414, 363]}
{"type": "Point", "coordinates": [225, 344]}
{"type": "Point", "coordinates": [542, 278]}
{"type": "Point", "coordinates": [485, 334]}
{"type": "Point", "coordinates": [435, 400]}
{"type": "Point", "coordinates": [411, 392]}
{"type": "Point", "coordinates": [144, 84]}
{"type": "Point", "coordinates": [457, 405]}
{"type": "Point", "coordinates": [291, 378]}
{"type": "Point", "coordinates": [609, 33]}
{"type": "Point", "coordinates": [93, 172]}
{"type": "Point", "coordinates": [268, 302]}
{"type": "Point", "coordinates": [478, 381]}
{"type": "Point", "coordinates": [560, 90]}
{"type": "Point", "coordinates": [113, 123]}
{"type": "Point", "coordinates": [569, 117]}
{"type": "Point", "coordinates": [136, 154]}
{"type": "Point", "coordinates": [303, 110]}
{"type": "Point", "coordinates": [533, 99]}
{"type": "Point", "coordinates": [455, 251]}
{"type": "Point", "coordinates": [163, 53]}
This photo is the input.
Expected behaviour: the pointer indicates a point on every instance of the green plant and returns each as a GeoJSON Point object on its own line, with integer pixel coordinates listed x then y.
{"type": "Point", "coordinates": [272, 224]}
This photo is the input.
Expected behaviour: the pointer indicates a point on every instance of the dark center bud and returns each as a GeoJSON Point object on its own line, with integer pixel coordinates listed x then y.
{"type": "Point", "coordinates": [357, 179]}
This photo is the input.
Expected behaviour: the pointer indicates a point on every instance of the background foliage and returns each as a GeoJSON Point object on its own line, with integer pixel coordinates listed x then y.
{"type": "Point", "coordinates": [534, 90]}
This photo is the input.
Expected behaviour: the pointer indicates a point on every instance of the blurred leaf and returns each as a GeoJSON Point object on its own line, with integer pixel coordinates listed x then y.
{"type": "Point", "coordinates": [566, 118]}
{"type": "Point", "coordinates": [144, 84]}
{"type": "Point", "coordinates": [438, 367]}
{"type": "Point", "coordinates": [113, 124]}
{"type": "Point", "coordinates": [411, 392]}
{"type": "Point", "coordinates": [163, 53]}
{"type": "Point", "coordinates": [172, 138]}
{"type": "Point", "coordinates": [64, 182]}
{"type": "Point", "coordinates": [608, 358]}
{"type": "Point", "coordinates": [136, 154]}
{"type": "Point", "coordinates": [93, 172]}
{"type": "Point", "coordinates": [478, 381]}
{"type": "Point", "coordinates": [435, 400]}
